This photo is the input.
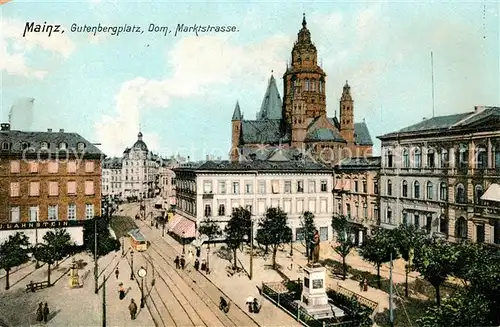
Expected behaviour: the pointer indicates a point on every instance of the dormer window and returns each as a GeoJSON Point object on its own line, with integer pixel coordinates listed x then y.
{"type": "Point", "coordinates": [24, 145]}
{"type": "Point", "coordinates": [5, 146]}
{"type": "Point", "coordinates": [44, 145]}
{"type": "Point", "coordinates": [80, 146]}
{"type": "Point", "coordinates": [63, 146]}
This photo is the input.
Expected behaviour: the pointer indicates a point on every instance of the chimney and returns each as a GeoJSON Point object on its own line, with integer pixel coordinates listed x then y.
{"type": "Point", "coordinates": [49, 130]}
{"type": "Point", "coordinates": [208, 157]}
{"type": "Point", "coordinates": [61, 130]}
{"type": "Point", "coordinates": [5, 126]}
{"type": "Point", "coordinates": [188, 159]}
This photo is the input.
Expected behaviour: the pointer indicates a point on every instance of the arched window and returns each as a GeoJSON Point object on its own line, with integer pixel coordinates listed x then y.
{"type": "Point", "coordinates": [497, 156]}
{"type": "Point", "coordinates": [80, 146]}
{"type": "Point", "coordinates": [63, 146]}
{"type": "Point", "coordinates": [321, 86]}
{"type": "Point", "coordinates": [44, 145]}
{"type": "Point", "coordinates": [222, 210]}
{"type": "Point", "coordinates": [428, 223]}
{"type": "Point", "coordinates": [478, 193]}
{"type": "Point", "coordinates": [416, 190]}
{"type": "Point", "coordinates": [431, 160]}
{"type": "Point", "coordinates": [389, 216]}
{"type": "Point", "coordinates": [308, 85]}
{"type": "Point", "coordinates": [430, 190]}
{"type": "Point", "coordinates": [417, 158]}
{"type": "Point", "coordinates": [481, 157]}
{"type": "Point", "coordinates": [406, 159]}
{"type": "Point", "coordinates": [404, 219]}
{"type": "Point", "coordinates": [389, 187]}
{"type": "Point", "coordinates": [389, 158]}
{"type": "Point", "coordinates": [444, 158]}
{"type": "Point", "coordinates": [404, 189]}
{"type": "Point", "coordinates": [24, 145]}
{"type": "Point", "coordinates": [443, 192]}
{"type": "Point", "coordinates": [461, 228]}
{"type": "Point", "coordinates": [480, 233]}
{"type": "Point", "coordinates": [460, 194]}
{"type": "Point", "coordinates": [443, 225]}
{"type": "Point", "coordinates": [5, 146]}
{"type": "Point", "coordinates": [463, 156]}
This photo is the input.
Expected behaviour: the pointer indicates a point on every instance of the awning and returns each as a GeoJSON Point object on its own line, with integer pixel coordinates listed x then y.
{"type": "Point", "coordinates": [172, 222]}
{"type": "Point", "coordinates": [185, 228]}
{"type": "Point", "coordinates": [492, 193]}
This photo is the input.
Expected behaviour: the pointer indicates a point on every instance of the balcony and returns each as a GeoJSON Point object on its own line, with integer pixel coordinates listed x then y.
{"type": "Point", "coordinates": [208, 195]}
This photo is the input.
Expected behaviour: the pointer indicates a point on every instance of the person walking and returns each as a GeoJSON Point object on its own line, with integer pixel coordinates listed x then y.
{"type": "Point", "coordinates": [361, 282]}
{"type": "Point", "coordinates": [39, 312]}
{"type": "Point", "coordinates": [133, 309]}
{"type": "Point", "coordinates": [177, 262]}
{"type": "Point", "coordinates": [46, 312]}
{"type": "Point", "coordinates": [121, 292]}
{"type": "Point", "coordinates": [198, 251]}
{"type": "Point", "coordinates": [196, 264]}
{"type": "Point", "coordinates": [117, 272]}
{"type": "Point", "coordinates": [183, 262]}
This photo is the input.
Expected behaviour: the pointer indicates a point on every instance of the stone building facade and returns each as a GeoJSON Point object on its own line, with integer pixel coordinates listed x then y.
{"type": "Point", "coordinates": [300, 121]}
{"type": "Point", "coordinates": [47, 180]}
{"type": "Point", "coordinates": [435, 172]}
{"type": "Point", "coordinates": [356, 194]}
{"type": "Point", "coordinates": [112, 177]}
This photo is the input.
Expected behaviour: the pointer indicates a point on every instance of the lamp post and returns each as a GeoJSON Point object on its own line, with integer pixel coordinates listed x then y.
{"type": "Point", "coordinates": [131, 264]}
{"type": "Point", "coordinates": [142, 273]}
{"type": "Point", "coordinates": [96, 275]}
{"type": "Point", "coordinates": [123, 246]}
{"type": "Point", "coordinates": [251, 249]}
{"type": "Point", "coordinates": [104, 301]}
{"type": "Point", "coordinates": [183, 243]}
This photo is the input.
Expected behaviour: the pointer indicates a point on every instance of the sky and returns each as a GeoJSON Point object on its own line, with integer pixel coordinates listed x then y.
{"type": "Point", "coordinates": [180, 90]}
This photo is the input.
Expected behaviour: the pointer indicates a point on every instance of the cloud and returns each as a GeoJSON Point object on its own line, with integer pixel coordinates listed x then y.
{"type": "Point", "coordinates": [198, 65]}
{"type": "Point", "coordinates": [14, 48]}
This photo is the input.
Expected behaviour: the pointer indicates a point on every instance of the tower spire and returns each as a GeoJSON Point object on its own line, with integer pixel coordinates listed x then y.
{"type": "Point", "coordinates": [304, 23]}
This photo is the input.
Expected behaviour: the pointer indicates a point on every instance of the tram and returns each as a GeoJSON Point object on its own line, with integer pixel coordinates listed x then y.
{"type": "Point", "coordinates": [138, 241]}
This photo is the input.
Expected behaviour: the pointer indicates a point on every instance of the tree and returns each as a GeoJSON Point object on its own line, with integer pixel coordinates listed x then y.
{"type": "Point", "coordinates": [237, 228]}
{"type": "Point", "coordinates": [435, 260]}
{"type": "Point", "coordinates": [46, 253]}
{"type": "Point", "coordinates": [60, 240]}
{"type": "Point", "coordinates": [309, 227]}
{"type": "Point", "coordinates": [210, 228]}
{"type": "Point", "coordinates": [263, 238]}
{"type": "Point", "coordinates": [343, 230]}
{"type": "Point", "coordinates": [105, 243]}
{"type": "Point", "coordinates": [407, 238]}
{"type": "Point", "coordinates": [13, 252]}
{"type": "Point", "coordinates": [378, 249]}
{"type": "Point", "coordinates": [274, 224]}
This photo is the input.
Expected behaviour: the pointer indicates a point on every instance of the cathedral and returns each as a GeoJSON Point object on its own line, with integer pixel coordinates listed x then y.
{"type": "Point", "coordinates": [298, 124]}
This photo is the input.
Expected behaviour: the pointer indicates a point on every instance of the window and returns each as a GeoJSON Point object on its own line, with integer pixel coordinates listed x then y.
{"type": "Point", "coordinates": [248, 188]}
{"type": "Point", "coordinates": [416, 220]}
{"type": "Point", "coordinates": [33, 166]}
{"type": "Point", "coordinates": [15, 166]}
{"type": "Point", "coordinates": [53, 188]}
{"type": "Point", "coordinates": [89, 211]}
{"type": "Point", "coordinates": [34, 189]}
{"type": "Point", "coordinates": [416, 190]}
{"type": "Point", "coordinates": [481, 158]}
{"type": "Point", "coordinates": [207, 187]}
{"type": "Point", "coordinates": [71, 211]}
{"type": "Point", "coordinates": [71, 187]}
{"type": "Point", "coordinates": [208, 210]}
{"type": "Point", "coordinates": [404, 189]}
{"type": "Point", "coordinates": [430, 190]}
{"type": "Point", "coordinates": [463, 156]}
{"type": "Point", "coordinates": [443, 192]}
{"type": "Point", "coordinates": [14, 214]}
{"type": "Point", "coordinates": [389, 187]}
{"type": "Point", "coordinates": [348, 209]}
{"type": "Point", "coordinates": [288, 187]}
{"type": "Point", "coordinates": [80, 146]}
{"type": "Point", "coordinates": [428, 223]}
{"type": "Point", "coordinates": [312, 187]}
{"type": "Point", "coordinates": [89, 166]}
{"type": "Point", "coordinates": [275, 186]}
{"type": "Point", "coordinates": [356, 186]}
{"type": "Point", "coordinates": [14, 189]}
{"type": "Point", "coordinates": [44, 145]}
{"type": "Point", "coordinates": [497, 157]}
{"type": "Point", "coordinates": [431, 158]}
{"type": "Point", "coordinates": [405, 218]}
{"type": "Point", "coordinates": [33, 213]}
{"type": "Point", "coordinates": [365, 210]}
{"type": "Point", "coordinates": [262, 187]}
{"type": "Point", "coordinates": [300, 206]}
{"type": "Point", "coordinates": [222, 187]}
{"type": "Point", "coordinates": [236, 188]}
{"type": "Point", "coordinates": [417, 157]}
{"type": "Point", "coordinates": [364, 187]}
{"type": "Point", "coordinates": [480, 233]}
{"type": "Point", "coordinates": [443, 224]}
{"type": "Point", "coordinates": [312, 205]}
{"type": "Point", "coordinates": [389, 216]}
{"type": "Point", "coordinates": [324, 186]}
{"type": "Point", "coordinates": [63, 146]}
{"type": "Point", "coordinates": [300, 186]}
{"type": "Point", "coordinates": [375, 187]}
{"type": "Point", "coordinates": [461, 228]}
{"type": "Point", "coordinates": [389, 158]}
{"type": "Point", "coordinates": [444, 158]}
{"type": "Point", "coordinates": [222, 210]}
{"type": "Point", "coordinates": [52, 212]}
{"type": "Point", "coordinates": [287, 206]}
{"type": "Point", "coordinates": [89, 187]}
{"type": "Point", "coordinates": [478, 193]}
{"type": "Point", "coordinates": [460, 196]}
{"type": "Point", "coordinates": [323, 205]}
{"type": "Point", "coordinates": [24, 145]}
{"type": "Point", "coordinates": [406, 159]}
{"type": "Point", "coordinates": [53, 167]}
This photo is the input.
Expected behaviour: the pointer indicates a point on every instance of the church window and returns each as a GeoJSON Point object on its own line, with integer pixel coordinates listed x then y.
{"type": "Point", "coordinates": [313, 85]}
{"type": "Point", "coordinates": [307, 85]}
{"type": "Point", "coordinates": [321, 86]}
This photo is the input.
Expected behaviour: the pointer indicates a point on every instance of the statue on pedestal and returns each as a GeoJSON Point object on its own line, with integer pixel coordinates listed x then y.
{"type": "Point", "coordinates": [74, 279]}
{"type": "Point", "coordinates": [315, 247]}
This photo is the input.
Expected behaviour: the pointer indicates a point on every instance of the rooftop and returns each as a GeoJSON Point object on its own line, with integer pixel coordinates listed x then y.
{"type": "Point", "coordinates": [254, 165]}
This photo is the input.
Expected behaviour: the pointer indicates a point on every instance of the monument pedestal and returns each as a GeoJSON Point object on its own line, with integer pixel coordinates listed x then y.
{"type": "Point", "coordinates": [314, 298]}
{"type": "Point", "coordinates": [74, 278]}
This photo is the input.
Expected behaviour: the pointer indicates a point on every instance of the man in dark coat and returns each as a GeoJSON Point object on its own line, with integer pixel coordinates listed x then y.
{"type": "Point", "coordinates": [196, 264]}
{"type": "Point", "coordinates": [183, 262]}
{"type": "Point", "coordinates": [133, 309]}
{"type": "Point", "coordinates": [46, 312]}
{"type": "Point", "coordinates": [39, 312]}
{"type": "Point", "coordinates": [177, 262]}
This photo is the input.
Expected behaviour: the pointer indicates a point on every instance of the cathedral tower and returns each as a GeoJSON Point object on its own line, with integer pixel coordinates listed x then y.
{"type": "Point", "coordinates": [347, 114]}
{"type": "Point", "coordinates": [235, 133]}
{"type": "Point", "coordinates": [303, 83]}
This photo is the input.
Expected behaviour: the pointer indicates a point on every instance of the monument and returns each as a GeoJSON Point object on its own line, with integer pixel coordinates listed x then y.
{"type": "Point", "coordinates": [314, 298]}
{"type": "Point", "coordinates": [74, 279]}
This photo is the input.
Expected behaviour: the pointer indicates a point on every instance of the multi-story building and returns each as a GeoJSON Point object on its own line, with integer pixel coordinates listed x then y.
{"type": "Point", "coordinates": [435, 172]}
{"type": "Point", "coordinates": [112, 177]}
{"type": "Point", "coordinates": [47, 180]}
{"type": "Point", "coordinates": [167, 182]}
{"type": "Point", "coordinates": [301, 120]}
{"type": "Point", "coordinates": [355, 194]}
{"type": "Point", "coordinates": [214, 189]}
{"type": "Point", "coordinates": [139, 171]}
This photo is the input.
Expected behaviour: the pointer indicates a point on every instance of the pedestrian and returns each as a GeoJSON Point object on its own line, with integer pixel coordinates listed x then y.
{"type": "Point", "coordinates": [198, 251]}
{"type": "Point", "coordinates": [39, 312]}
{"type": "Point", "coordinates": [117, 272]}
{"type": "Point", "coordinates": [46, 312]}
{"type": "Point", "coordinates": [157, 225]}
{"type": "Point", "coordinates": [365, 285]}
{"type": "Point", "coordinates": [121, 292]}
{"type": "Point", "coordinates": [361, 282]}
{"type": "Point", "coordinates": [133, 309]}
{"type": "Point", "coordinates": [177, 262]}
{"type": "Point", "coordinates": [196, 264]}
{"type": "Point", "coordinates": [256, 306]}
{"type": "Point", "coordinates": [203, 265]}
{"type": "Point", "coordinates": [183, 262]}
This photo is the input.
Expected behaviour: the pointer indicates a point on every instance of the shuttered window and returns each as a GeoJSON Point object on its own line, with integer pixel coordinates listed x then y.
{"type": "Point", "coordinates": [89, 188]}
{"type": "Point", "coordinates": [34, 188]}
{"type": "Point", "coordinates": [14, 189]}
{"type": "Point", "coordinates": [53, 188]}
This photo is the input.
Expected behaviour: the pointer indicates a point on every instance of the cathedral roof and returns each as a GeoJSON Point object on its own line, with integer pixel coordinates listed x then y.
{"type": "Point", "coordinates": [361, 134]}
{"type": "Point", "coordinates": [261, 131]}
{"type": "Point", "coordinates": [324, 134]}
{"type": "Point", "coordinates": [237, 113]}
{"type": "Point", "coordinates": [272, 106]}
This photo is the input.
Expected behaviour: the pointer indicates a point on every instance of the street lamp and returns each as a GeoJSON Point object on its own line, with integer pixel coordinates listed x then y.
{"type": "Point", "coordinates": [131, 264]}
{"type": "Point", "coordinates": [142, 273]}
{"type": "Point", "coordinates": [183, 243]}
{"type": "Point", "coordinates": [96, 272]}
